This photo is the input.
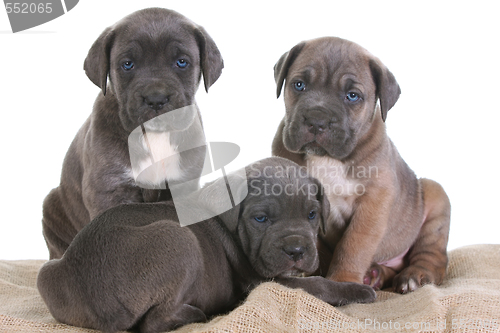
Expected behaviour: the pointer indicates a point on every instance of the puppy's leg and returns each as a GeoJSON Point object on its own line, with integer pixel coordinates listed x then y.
{"type": "Point", "coordinates": [334, 293]}
{"type": "Point", "coordinates": [354, 253]}
{"type": "Point", "coordinates": [57, 230]}
{"type": "Point", "coordinates": [428, 257]}
{"type": "Point", "coordinates": [163, 317]}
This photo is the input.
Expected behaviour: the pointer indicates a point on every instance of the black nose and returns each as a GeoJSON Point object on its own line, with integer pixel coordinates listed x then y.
{"type": "Point", "coordinates": [295, 252]}
{"type": "Point", "coordinates": [316, 125]}
{"type": "Point", "coordinates": [156, 101]}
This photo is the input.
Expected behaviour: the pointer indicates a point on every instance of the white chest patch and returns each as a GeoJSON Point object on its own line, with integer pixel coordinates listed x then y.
{"type": "Point", "coordinates": [163, 163]}
{"type": "Point", "coordinates": [339, 183]}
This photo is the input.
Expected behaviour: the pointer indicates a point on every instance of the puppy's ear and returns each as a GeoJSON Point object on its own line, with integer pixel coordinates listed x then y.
{"type": "Point", "coordinates": [325, 205]}
{"type": "Point", "coordinates": [223, 197]}
{"type": "Point", "coordinates": [210, 57]}
{"type": "Point", "coordinates": [388, 90]}
{"type": "Point", "coordinates": [231, 218]}
{"type": "Point", "coordinates": [283, 64]}
{"type": "Point", "coordinates": [96, 64]}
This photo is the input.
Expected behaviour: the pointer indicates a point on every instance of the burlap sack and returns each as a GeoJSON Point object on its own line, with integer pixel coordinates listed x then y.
{"type": "Point", "coordinates": [467, 301]}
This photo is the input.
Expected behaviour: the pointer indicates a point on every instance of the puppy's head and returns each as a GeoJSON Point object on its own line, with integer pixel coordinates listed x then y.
{"type": "Point", "coordinates": [277, 222]}
{"type": "Point", "coordinates": [154, 59]}
{"type": "Point", "coordinates": [331, 87]}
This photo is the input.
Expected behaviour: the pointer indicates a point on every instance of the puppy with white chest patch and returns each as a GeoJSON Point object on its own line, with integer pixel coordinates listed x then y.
{"type": "Point", "coordinates": [386, 227]}
{"type": "Point", "coordinates": [154, 59]}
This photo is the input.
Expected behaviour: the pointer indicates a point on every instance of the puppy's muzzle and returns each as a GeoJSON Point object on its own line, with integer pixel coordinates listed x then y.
{"type": "Point", "coordinates": [156, 97]}
{"type": "Point", "coordinates": [320, 129]}
{"type": "Point", "coordinates": [156, 100]}
{"type": "Point", "coordinates": [318, 121]}
{"type": "Point", "coordinates": [294, 247]}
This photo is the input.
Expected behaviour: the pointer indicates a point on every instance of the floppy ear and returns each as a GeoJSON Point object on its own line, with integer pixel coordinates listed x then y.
{"type": "Point", "coordinates": [210, 57]}
{"type": "Point", "coordinates": [223, 197]}
{"type": "Point", "coordinates": [283, 64]}
{"type": "Point", "coordinates": [96, 64]}
{"type": "Point", "coordinates": [231, 217]}
{"type": "Point", "coordinates": [325, 205]}
{"type": "Point", "coordinates": [388, 90]}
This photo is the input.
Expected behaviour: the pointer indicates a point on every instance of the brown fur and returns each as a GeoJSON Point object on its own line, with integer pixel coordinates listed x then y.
{"type": "Point", "coordinates": [377, 215]}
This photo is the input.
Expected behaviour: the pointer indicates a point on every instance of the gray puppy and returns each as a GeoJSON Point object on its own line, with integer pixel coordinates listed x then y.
{"type": "Point", "coordinates": [135, 267]}
{"type": "Point", "coordinates": [154, 59]}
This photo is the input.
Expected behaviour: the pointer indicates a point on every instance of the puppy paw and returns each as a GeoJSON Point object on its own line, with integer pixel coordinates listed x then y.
{"type": "Point", "coordinates": [374, 277]}
{"type": "Point", "coordinates": [332, 292]}
{"type": "Point", "coordinates": [411, 278]}
{"type": "Point", "coordinates": [356, 293]}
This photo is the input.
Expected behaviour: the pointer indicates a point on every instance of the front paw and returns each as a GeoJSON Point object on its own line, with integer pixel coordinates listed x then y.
{"type": "Point", "coordinates": [331, 292]}
{"type": "Point", "coordinates": [412, 278]}
{"type": "Point", "coordinates": [353, 293]}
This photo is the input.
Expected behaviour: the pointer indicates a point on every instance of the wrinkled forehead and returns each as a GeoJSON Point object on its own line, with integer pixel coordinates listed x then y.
{"type": "Point", "coordinates": [290, 181]}
{"type": "Point", "coordinates": [276, 199]}
{"type": "Point", "coordinates": [332, 57]}
{"type": "Point", "coordinates": [155, 31]}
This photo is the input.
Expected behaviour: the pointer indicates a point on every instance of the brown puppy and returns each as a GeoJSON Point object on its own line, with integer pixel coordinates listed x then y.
{"type": "Point", "coordinates": [386, 226]}
{"type": "Point", "coordinates": [154, 59]}
{"type": "Point", "coordinates": [154, 275]}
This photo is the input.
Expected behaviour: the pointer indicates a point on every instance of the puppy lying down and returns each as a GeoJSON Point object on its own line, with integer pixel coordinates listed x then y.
{"type": "Point", "coordinates": [135, 267]}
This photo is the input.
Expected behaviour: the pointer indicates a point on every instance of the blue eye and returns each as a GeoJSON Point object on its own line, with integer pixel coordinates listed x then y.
{"type": "Point", "coordinates": [128, 65]}
{"type": "Point", "coordinates": [312, 215]}
{"type": "Point", "coordinates": [182, 63]}
{"type": "Point", "coordinates": [299, 85]}
{"type": "Point", "coordinates": [261, 219]}
{"type": "Point", "coordinates": [352, 97]}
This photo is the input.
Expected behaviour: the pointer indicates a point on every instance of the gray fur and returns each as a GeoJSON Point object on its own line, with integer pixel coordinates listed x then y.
{"type": "Point", "coordinates": [135, 267]}
{"type": "Point", "coordinates": [96, 174]}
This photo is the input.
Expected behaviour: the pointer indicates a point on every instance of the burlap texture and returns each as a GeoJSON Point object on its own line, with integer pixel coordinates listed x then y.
{"type": "Point", "coordinates": [467, 301]}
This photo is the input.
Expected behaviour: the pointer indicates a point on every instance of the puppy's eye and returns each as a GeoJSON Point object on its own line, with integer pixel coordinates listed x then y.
{"type": "Point", "coordinates": [261, 219]}
{"type": "Point", "coordinates": [352, 97]}
{"type": "Point", "coordinates": [299, 86]}
{"type": "Point", "coordinates": [182, 63]}
{"type": "Point", "coordinates": [312, 215]}
{"type": "Point", "coordinates": [128, 65]}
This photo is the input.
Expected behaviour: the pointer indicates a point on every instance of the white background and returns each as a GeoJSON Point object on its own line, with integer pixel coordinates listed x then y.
{"type": "Point", "coordinates": [444, 54]}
